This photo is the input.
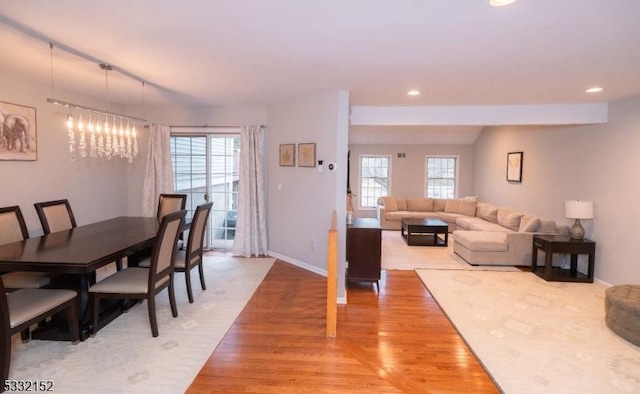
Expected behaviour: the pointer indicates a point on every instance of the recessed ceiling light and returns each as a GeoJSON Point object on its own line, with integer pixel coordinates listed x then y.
{"type": "Point", "coordinates": [499, 3]}
{"type": "Point", "coordinates": [413, 92]}
{"type": "Point", "coordinates": [595, 89]}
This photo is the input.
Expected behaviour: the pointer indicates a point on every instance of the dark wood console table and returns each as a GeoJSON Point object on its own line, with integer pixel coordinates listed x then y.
{"type": "Point", "coordinates": [551, 244]}
{"type": "Point", "coordinates": [364, 248]}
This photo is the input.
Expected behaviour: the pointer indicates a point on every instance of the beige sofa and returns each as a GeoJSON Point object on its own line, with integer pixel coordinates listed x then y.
{"type": "Point", "coordinates": [483, 234]}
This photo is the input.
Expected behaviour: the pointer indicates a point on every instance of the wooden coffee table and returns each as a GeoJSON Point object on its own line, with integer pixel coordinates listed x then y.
{"type": "Point", "coordinates": [425, 232]}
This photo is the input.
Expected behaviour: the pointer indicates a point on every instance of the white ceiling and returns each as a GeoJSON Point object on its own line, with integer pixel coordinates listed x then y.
{"type": "Point", "coordinates": [258, 52]}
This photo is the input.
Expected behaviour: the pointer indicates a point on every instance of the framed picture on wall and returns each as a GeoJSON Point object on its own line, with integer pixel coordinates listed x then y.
{"type": "Point", "coordinates": [18, 134]}
{"type": "Point", "coordinates": [514, 166]}
{"type": "Point", "coordinates": [288, 155]}
{"type": "Point", "coordinates": [307, 155]}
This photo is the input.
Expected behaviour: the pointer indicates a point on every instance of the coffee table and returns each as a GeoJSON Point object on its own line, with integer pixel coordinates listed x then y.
{"type": "Point", "coordinates": [425, 232]}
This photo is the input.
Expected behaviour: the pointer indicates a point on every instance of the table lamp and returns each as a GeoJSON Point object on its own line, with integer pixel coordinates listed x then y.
{"type": "Point", "coordinates": [576, 209]}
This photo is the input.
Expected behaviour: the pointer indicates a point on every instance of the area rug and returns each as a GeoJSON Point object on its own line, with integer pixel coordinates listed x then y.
{"type": "Point", "coordinates": [124, 358]}
{"type": "Point", "coordinates": [397, 255]}
{"type": "Point", "coordinates": [534, 336]}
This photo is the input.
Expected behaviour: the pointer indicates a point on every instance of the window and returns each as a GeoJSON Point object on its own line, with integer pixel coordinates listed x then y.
{"type": "Point", "coordinates": [442, 176]}
{"type": "Point", "coordinates": [374, 179]}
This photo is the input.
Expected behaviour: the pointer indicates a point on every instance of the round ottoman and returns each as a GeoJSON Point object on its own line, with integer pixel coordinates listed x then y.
{"type": "Point", "coordinates": [622, 307]}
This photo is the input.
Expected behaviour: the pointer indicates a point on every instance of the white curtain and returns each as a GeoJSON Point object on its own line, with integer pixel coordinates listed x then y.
{"type": "Point", "coordinates": [158, 176]}
{"type": "Point", "coordinates": [251, 224]}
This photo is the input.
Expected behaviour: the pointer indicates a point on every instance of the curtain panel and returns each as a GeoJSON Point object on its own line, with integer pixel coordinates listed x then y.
{"type": "Point", "coordinates": [158, 176]}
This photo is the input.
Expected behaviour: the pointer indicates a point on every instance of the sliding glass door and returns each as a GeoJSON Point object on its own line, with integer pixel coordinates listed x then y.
{"type": "Point", "coordinates": [205, 168]}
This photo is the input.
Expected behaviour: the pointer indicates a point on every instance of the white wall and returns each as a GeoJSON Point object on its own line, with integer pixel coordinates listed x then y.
{"type": "Point", "coordinates": [96, 189]}
{"type": "Point", "coordinates": [301, 200]}
{"type": "Point", "coordinates": [408, 174]}
{"type": "Point", "coordinates": [599, 163]}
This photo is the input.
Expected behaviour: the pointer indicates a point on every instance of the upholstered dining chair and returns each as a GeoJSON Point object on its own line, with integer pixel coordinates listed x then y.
{"type": "Point", "coordinates": [144, 283]}
{"type": "Point", "coordinates": [188, 259]}
{"type": "Point", "coordinates": [13, 229]}
{"type": "Point", "coordinates": [168, 203]}
{"type": "Point", "coordinates": [22, 308]}
{"type": "Point", "coordinates": [55, 215]}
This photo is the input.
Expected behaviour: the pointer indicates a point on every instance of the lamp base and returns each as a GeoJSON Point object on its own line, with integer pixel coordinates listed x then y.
{"type": "Point", "coordinates": [577, 231]}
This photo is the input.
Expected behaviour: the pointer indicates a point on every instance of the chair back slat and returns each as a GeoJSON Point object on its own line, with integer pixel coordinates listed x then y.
{"type": "Point", "coordinates": [198, 227]}
{"type": "Point", "coordinates": [55, 216]}
{"type": "Point", "coordinates": [12, 226]}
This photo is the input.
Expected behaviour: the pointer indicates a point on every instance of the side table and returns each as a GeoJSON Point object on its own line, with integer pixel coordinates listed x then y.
{"type": "Point", "coordinates": [551, 244]}
{"type": "Point", "coordinates": [364, 249]}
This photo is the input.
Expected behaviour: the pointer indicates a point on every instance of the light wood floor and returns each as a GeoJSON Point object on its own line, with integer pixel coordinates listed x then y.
{"type": "Point", "coordinates": [396, 340]}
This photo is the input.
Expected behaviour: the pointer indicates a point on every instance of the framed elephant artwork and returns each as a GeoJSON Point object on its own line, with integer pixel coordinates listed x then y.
{"type": "Point", "coordinates": [18, 134]}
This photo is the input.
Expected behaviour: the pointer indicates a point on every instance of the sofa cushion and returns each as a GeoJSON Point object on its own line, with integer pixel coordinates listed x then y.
{"type": "Point", "coordinates": [482, 241]}
{"type": "Point", "coordinates": [468, 207]}
{"type": "Point", "coordinates": [449, 217]}
{"type": "Point", "coordinates": [529, 224]}
{"type": "Point", "coordinates": [390, 203]}
{"type": "Point", "coordinates": [396, 215]}
{"type": "Point", "coordinates": [547, 226]}
{"type": "Point", "coordinates": [509, 219]}
{"type": "Point", "coordinates": [420, 204]}
{"type": "Point", "coordinates": [438, 204]}
{"type": "Point", "coordinates": [422, 215]}
{"type": "Point", "coordinates": [402, 204]}
{"type": "Point", "coordinates": [487, 212]}
{"type": "Point", "coordinates": [452, 205]}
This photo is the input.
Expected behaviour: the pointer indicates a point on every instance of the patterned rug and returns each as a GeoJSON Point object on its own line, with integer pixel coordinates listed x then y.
{"type": "Point", "coordinates": [534, 336]}
{"type": "Point", "coordinates": [124, 358]}
{"type": "Point", "coordinates": [397, 255]}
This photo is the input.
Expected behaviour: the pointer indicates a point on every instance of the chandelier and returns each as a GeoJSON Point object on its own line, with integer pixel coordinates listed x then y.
{"type": "Point", "coordinates": [96, 133]}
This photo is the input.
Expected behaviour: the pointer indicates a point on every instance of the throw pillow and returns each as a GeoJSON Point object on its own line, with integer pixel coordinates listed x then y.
{"type": "Point", "coordinates": [402, 204]}
{"type": "Point", "coordinates": [487, 212]}
{"type": "Point", "coordinates": [547, 226]}
{"type": "Point", "coordinates": [439, 204]}
{"type": "Point", "coordinates": [452, 205]}
{"type": "Point", "coordinates": [420, 204]}
{"type": "Point", "coordinates": [390, 204]}
{"type": "Point", "coordinates": [468, 207]}
{"type": "Point", "coordinates": [529, 224]}
{"type": "Point", "coordinates": [509, 219]}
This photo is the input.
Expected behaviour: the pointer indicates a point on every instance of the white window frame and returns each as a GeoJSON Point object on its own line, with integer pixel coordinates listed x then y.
{"type": "Point", "coordinates": [426, 173]}
{"type": "Point", "coordinates": [358, 197]}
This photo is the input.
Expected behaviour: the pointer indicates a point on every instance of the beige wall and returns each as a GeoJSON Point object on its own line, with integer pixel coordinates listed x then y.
{"type": "Point", "coordinates": [408, 174]}
{"type": "Point", "coordinates": [301, 200]}
{"type": "Point", "coordinates": [599, 163]}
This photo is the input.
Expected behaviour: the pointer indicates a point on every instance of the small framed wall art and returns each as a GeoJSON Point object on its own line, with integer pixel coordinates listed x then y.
{"type": "Point", "coordinates": [307, 155]}
{"type": "Point", "coordinates": [288, 155]}
{"type": "Point", "coordinates": [18, 134]}
{"type": "Point", "coordinates": [514, 166]}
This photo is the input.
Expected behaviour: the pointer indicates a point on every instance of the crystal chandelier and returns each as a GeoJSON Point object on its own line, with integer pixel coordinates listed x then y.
{"type": "Point", "coordinates": [96, 133]}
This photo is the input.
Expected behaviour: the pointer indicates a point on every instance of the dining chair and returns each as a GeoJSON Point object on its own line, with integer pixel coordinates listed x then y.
{"type": "Point", "coordinates": [55, 215]}
{"type": "Point", "coordinates": [144, 283]}
{"type": "Point", "coordinates": [22, 308]}
{"type": "Point", "coordinates": [188, 259]}
{"type": "Point", "coordinates": [14, 229]}
{"type": "Point", "coordinates": [168, 203]}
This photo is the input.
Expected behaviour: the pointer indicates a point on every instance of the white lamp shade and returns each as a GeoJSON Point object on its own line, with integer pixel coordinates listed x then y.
{"type": "Point", "coordinates": [576, 209]}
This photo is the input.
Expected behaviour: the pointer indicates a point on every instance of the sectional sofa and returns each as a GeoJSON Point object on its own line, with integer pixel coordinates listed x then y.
{"type": "Point", "coordinates": [483, 234]}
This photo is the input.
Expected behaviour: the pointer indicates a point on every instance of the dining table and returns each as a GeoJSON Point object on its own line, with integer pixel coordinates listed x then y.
{"type": "Point", "coordinates": [73, 256]}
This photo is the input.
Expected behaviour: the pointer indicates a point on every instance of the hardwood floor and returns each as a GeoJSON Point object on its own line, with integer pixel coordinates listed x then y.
{"type": "Point", "coordinates": [393, 341]}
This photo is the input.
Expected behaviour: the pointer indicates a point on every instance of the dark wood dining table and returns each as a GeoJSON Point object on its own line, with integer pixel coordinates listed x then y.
{"type": "Point", "coordinates": [74, 255]}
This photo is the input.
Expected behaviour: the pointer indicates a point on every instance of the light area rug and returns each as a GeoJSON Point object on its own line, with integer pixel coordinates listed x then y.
{"type": "Point", "coordinates": [397, 255]}
{"type": "Point", "coordinates": [124, 358]}
{"type": "Point", "coordinates": [535, 336]}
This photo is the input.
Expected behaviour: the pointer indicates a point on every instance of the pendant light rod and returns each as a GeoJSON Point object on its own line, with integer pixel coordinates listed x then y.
{"type": "Point", "coordinates": [100, 111]}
